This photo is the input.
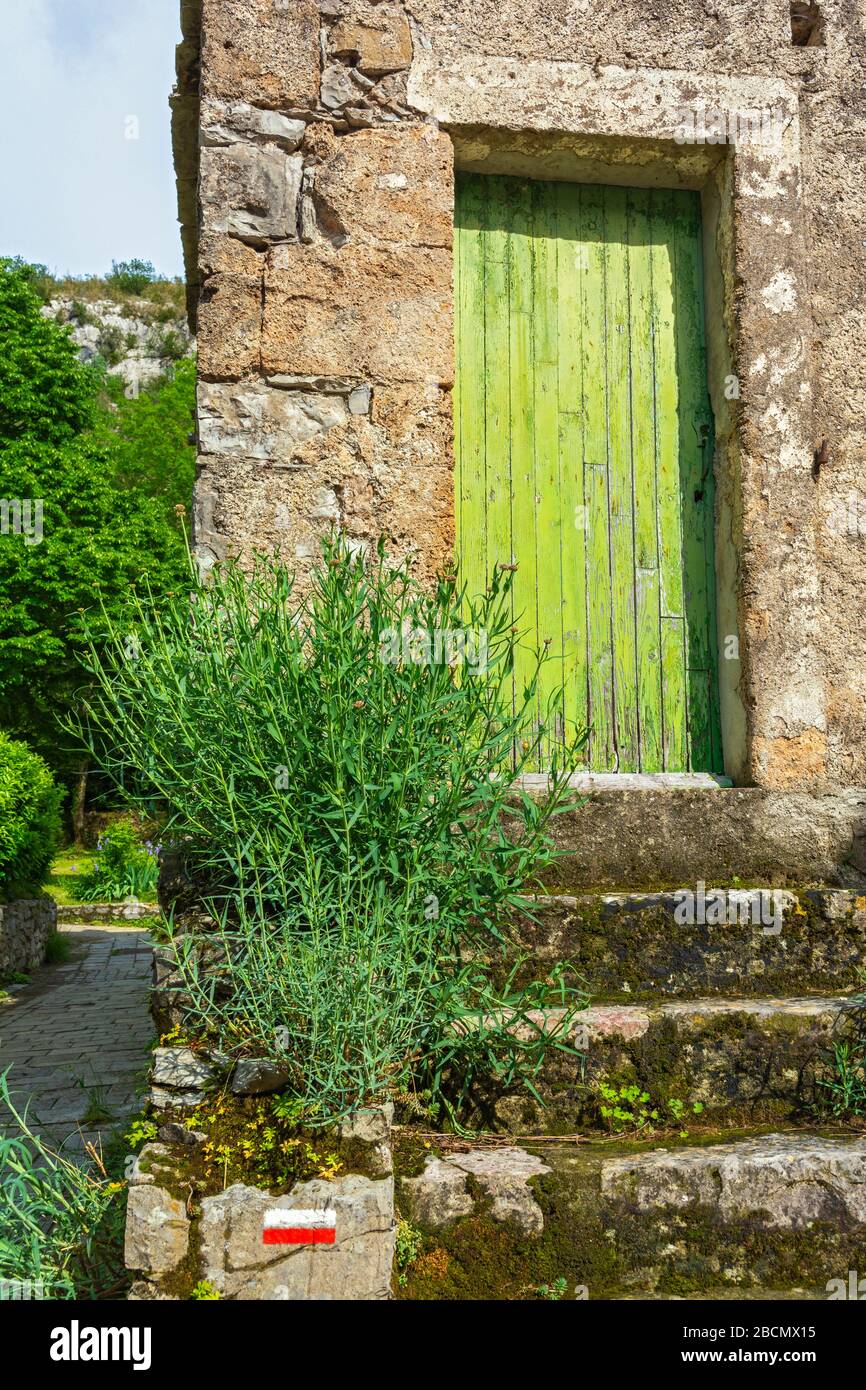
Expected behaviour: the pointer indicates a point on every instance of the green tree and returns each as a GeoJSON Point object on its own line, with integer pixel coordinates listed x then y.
{"type": "Point", "coordinates": [105, 520]}
{"type": "Point", "coordinates": [45, 392]}
{"type": "Point", "coordinates": [132, 276]}
{"type": "Point", "coordinates": [148, 435]}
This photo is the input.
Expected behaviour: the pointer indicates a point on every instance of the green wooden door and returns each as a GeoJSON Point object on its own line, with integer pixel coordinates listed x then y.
{"type": "Point", "coordinates": [584, 453]}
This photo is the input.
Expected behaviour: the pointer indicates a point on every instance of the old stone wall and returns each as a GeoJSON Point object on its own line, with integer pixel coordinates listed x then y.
{"type": "Point", "coordinates": [181, 1233]}
{"type": "Point", "coordinates": [25, 926]}
{"type": "Point", "coordinates": [324, 261]}
{"type": "Point", "coordinates": [327, 136]}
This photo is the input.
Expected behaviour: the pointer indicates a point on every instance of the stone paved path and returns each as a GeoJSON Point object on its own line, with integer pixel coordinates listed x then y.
{"type": "Point", "coordinates": [77, 1035]}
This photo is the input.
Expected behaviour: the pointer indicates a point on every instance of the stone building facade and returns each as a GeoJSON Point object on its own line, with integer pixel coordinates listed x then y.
{"type": "Point", "coordinates": [316, 146]}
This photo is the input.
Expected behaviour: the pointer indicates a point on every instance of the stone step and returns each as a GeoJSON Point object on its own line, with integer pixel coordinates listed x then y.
{"type": "Point", "coordinates": [656, 832]}
{"type": "Point", "coordinates": [646, 946]}
{"type": "Point", "coordinates": [742, 1060]}
{"type": "Point", "coordinates": [780, 1215]}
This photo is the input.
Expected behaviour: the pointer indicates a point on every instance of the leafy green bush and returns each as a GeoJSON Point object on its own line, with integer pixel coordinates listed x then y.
{"type": "Point", "coordinates": [131, 277]}
{"type": "Point", "coordinates": [167, 343]}
{"type": "Point", "coordinates": [112, 344]}
{"type": "Point", "coordinates": [339, 769]}
{"type": "Point", "coordinates": [123, 867]}
{"type": "Point", "coordinates": [29, 820]}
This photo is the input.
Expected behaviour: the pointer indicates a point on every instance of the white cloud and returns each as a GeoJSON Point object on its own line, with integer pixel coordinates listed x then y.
{"type": "Point", "coordinates": [76, 193]}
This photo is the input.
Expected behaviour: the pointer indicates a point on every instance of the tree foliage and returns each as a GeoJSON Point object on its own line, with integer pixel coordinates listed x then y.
{"type": "Point", "coordinates": [148, 436]}
{"type": "Point", "coordinates": [105, 481]}
{"type": "Point", "coordinates": [131, 277]}
{"type": "Point", "coordinates": [45, 392]}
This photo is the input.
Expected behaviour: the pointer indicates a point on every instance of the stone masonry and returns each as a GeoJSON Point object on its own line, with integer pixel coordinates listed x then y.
{"type": "Point", "coordinates": [25, 926]}
{"type": "Point", "coordinates": [315, 145]}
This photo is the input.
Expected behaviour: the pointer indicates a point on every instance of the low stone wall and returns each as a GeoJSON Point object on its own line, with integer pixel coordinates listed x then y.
{"type": "Point", "coordinates": [87, 914]}
{"type": "Point", "coordinates": [771, 1216]}
{"type": "Point", "coordinates": [180, 1235]}
{"type": "Point", "coordinates": [25, 926]}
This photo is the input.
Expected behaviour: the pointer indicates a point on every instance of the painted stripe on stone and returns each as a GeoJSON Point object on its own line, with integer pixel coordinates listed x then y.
{"type": "Point", "coordinates": [299, 1226]}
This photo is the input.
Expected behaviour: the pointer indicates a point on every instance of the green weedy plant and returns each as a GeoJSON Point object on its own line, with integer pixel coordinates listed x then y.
{"type": "Point", "coordinates": [123, 867]}
{"type": "Point", "coordinates": [408, 1245]}
{"type": "Point", "coordinates": [841, 1083]}
{"type": "Point", "coordinates": [53, 1215]}
{"type": "Point", "coordinates": [29, 820]}
{"type": "Point", "coordinates": [339, 770]}
{"type": "Point", "coordinates": [628, 1108]}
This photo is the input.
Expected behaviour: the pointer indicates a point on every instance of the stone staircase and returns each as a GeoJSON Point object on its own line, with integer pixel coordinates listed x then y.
{"type": "Point", "coordinates": [757, 1195]}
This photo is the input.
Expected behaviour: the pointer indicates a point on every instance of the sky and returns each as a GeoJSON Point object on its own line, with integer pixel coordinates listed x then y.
{"type": "Point", "coordinates": [86, 173]}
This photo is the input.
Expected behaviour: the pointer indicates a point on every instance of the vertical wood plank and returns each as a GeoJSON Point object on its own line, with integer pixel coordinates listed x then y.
{"type": "Point", "coordinates": [667, 479]}
{"type": "Point", "coordinates": [496, 379]}
{"type": "Point", "coordinates": [694, 468]}
{"type": "Point", "coordinates": [572, 266]}
{"type": "Point", "coordinates": [675, 733]}
{"type": "Point", "coordinates": [647, 586]}
{"type": "Point", "coordinates": [522, 427]}
{"type": "Point", "coordinates": [622, 557]}
{"type": "Point", "coordinates": [548, 515]}
{"type": "Point", "coordinates": [470, 482]}
{"type": "Point", "coordinates": [594, 402]}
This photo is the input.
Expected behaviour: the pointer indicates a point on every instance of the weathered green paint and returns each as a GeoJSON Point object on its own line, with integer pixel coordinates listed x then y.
{"type": "Point", "coordinates": [584, 455]}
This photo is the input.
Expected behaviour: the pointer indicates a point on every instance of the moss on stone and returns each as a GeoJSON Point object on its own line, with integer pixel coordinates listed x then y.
{"type": "Point", "coordinates": [615, 1251]}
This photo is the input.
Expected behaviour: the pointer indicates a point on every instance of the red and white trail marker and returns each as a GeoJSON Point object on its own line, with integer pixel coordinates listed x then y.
{"type": "Point", "coordinates": [285, 1226]}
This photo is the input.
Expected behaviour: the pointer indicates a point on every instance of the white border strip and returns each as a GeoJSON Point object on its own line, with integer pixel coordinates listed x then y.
{"type": "Point", "coordinates": [284, 1218]}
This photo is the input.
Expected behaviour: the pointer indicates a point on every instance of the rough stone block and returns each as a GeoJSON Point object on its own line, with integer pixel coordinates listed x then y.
{"type": "Point", "coordinates": [180, 1067]}
{"type": "Point", "coordinates": [163, 1099]}
{"type": "Point", "coordinates": [371, 1126]}
{"type": "Point", "coordinates": [255, 1076]}
{"type": "Point", "coordinates": [173, 1133]}
{"type": "Point", "coordinates": [152, 1165]}
{"type": "Point", "coordinates": [321, 302]}
{"type": "Point", "coordinates": [251, 420]}
{"type": "Point", "coordinates": [229, 326]}
{"type": "Point", "coordinates": [385, 185]}
{"type": "Point", "coordinates": [623, 839]}
{"type": "Point", "coordinates": [753, 1059]}
{"type": "Point", "coordinates": [636, 946]}
{"type": "Point", "coordinates": [792, 1180]}
{"type": "Point", "coordinates": [251, 192]}
{"type": "Point", "coordinates": [341, 86]}
{"type": "Point", "coordinates": [261, 51]}
{"type": "Point", "coordinates": [157, 1230]}
{"type": "Point", "coordinates": [220, 254]}
{"type": "Point", "coordinates": [441, 1194]}
{"type": "Point", "coordinates": [376, 38]}
{"type": "Point", "coordinates": [357, 1266]}
{"type": "Point", "coordinates": [228, 122]}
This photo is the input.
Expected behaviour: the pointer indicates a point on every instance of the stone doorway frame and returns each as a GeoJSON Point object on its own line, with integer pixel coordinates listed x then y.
{"type": "Point", "coordinates": [565, 120]}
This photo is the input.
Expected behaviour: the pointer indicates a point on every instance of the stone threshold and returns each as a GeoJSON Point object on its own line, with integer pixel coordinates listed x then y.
{"type": "Point", "coordinates": [589, 782]}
